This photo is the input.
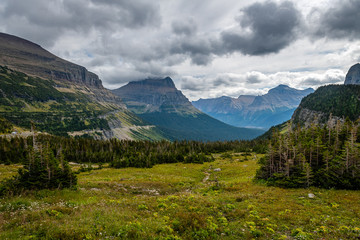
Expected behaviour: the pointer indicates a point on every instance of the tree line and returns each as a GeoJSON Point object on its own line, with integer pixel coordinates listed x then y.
{"type": "Point", "coordinates": [122, 153]}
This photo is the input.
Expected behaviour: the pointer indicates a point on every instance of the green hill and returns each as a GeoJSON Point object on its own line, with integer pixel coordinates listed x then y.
{"type": "Point", "coordinates": [339, 101]}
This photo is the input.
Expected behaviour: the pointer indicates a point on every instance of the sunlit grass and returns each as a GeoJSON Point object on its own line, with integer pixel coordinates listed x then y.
{"type": "Point", "coordinates": [172, 201]}
{"type": "Point", "coordinates": [7, 171]}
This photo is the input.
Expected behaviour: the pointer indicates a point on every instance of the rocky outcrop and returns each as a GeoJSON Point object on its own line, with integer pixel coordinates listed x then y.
{"type": "Point", "coordinates": [353, 75]}
{"type": "Point", "coordinates": [306, 117]}
{"type": "Point", "coordinates": [27, 57]}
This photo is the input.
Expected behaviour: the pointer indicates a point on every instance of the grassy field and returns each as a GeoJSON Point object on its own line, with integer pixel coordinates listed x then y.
{"type": "Point", "coordinates": [180, 201]}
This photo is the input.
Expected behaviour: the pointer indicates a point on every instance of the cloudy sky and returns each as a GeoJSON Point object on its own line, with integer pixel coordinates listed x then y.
{"type": "Point", "coordinates": [210, 48]}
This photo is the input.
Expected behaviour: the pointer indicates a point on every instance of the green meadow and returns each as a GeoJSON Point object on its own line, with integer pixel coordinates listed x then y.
{"type": "Point", "coordinates": [214, 200]}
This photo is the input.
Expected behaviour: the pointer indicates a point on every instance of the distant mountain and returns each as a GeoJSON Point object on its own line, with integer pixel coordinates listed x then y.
{"type": "Point", "coordinates": [154, 95]}
{"type": "Point", "coordinates": [263, 111]}
{"type": "Point", "coordinates": [61, 97]}
{"type": "Point", "coordinates": [160, 103]}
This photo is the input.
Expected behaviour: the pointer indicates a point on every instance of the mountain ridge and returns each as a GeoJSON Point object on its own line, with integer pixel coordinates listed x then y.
{"type": "Point", "coordinates": [30, 58]}
{"type": "Point", "coordinates": [165, 106]}
{"type": "Point", "coordinates": [61, 97]}
{"type": "Point", "coordinates": [263, 111]}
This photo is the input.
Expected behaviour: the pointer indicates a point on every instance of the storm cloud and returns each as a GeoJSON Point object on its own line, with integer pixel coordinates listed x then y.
{"type": "Point", "coordinates": [263, 28]}
{"type": "Point", "coordinates": [221, 47]}
{"type": "Point", "coordinates": [45, 21]}
{"type": "Point", "coordinates": [338, 21]}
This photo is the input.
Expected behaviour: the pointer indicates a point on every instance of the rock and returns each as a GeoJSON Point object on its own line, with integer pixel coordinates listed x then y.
{"type": "Point", "coordinates": [30, 58]}
{"type": "Point", "coordinates": [353, 75]}
{"type": "Point", "coordinates": [217, 169]}
{"type": "Point", "coordinates": [311, 195]}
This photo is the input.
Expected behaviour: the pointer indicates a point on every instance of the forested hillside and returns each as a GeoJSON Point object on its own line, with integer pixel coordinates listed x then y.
{"type": "Point", "coordinates": [340, 101]}
{"type": "Point", "coordinates": [327, 157]}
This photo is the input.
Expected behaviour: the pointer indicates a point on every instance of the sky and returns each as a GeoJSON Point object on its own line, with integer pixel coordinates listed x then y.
{"type": "Point", "coordinates": [209, 48]}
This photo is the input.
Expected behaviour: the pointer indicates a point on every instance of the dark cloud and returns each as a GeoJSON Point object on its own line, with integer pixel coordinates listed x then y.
{"type": "Point", "coordinates": [264, 28]}
{"type": "Point", "coordinates": [342, 20]}
{"type": "Point", "coordinates": [187, 28]}
{"type": "Point", "coordinates": [57, 17]}
{"type": "Point", "coordinates": [200, 50]}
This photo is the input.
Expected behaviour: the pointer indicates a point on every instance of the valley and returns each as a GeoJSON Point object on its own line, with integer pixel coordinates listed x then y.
{"type": "Point", "coordinates": [176, 201]}
{"type": "Point", "coordinates": [80, 161]}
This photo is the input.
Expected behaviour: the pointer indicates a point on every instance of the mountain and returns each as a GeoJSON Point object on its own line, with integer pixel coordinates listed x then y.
{"type": "Point", "coordinates": [61, 97]}
{"type": "Point", "coordinates": [332, 103]}
{"type": "Point", "coordinates": [154, 95]}
{"type": "Point", "coordinates": [263, 111]}
{"type": "Point", "coordinates": [160, 103]}
{"type": "Point", "coordinates": [353, 75]}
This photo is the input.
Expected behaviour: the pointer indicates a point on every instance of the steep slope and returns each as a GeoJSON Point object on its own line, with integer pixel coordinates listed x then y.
{"type": "Point", "coordinates": [332, 103]}
{"type": "Point", "coordinates": [329, 104]}
{"type": "Point", "coordinates": [27, 57]}
{"type": "Point", "coordinates": [61, 97]}
{"type": "Point", "coordinates": [263, 111]}
{"type": "Point", "coordinates": [154, 95]}
{"type": "Point", "coordinates": [160, 103]}
{"type": "Point", "coordinates": [353, 75]}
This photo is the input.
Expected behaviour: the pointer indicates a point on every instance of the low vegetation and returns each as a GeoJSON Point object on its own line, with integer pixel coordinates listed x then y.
{"type": "Point", "coordinates": [213, 200]}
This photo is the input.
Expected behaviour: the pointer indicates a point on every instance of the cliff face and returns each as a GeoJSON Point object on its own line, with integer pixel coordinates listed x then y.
{"type": "Point", "coordinates": [154, 95]}
{"type": "Point", "coordinates": [27, 57]}
{"type": "Point", "coordinates": [353, 75]}
{"type": "Point", "coordinates": [306, 117]}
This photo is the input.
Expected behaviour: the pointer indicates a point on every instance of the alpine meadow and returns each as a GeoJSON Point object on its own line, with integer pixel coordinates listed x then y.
{"type": "Point", "coordinates": [174, 120]}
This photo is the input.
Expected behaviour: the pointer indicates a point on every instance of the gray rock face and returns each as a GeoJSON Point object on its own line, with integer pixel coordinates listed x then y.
{"type": "Point", "coordinates": [30, 58]}
{"type": "Point", "coordinates": [353, 75]}
{"type": "Point", "coordinates": [154, 95]}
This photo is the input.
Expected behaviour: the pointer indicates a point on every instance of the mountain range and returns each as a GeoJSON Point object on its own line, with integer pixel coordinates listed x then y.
{"type": "Point", "coordinates": [159, 102]}
{"type": "Point", "coordinates": [264, 111]}
{"type": "Point", "coordinates": [63, 98]}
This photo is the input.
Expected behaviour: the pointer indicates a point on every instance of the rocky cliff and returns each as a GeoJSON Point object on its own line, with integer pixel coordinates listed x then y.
{"type": "Point", "coordinates": [154, 95]}
{"type": "Point", "coordinates": [353, 75]}
{"type": "Point", "coordinates": [27, 57]}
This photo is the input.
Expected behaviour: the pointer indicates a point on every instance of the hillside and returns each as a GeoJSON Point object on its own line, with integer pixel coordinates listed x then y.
{"type": "Point", "coordinates": [339, 101]}
{"type": "Point", "coordinates": [160, 103]}
{"type": "Point", "coordinates": [61, 97]}
{"type": "Point", "coordinates": [263, 111]}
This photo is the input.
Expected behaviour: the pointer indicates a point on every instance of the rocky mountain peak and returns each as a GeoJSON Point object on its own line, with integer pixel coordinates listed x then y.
{"type": "Point", "coordinates": [155, 83]}
{"type": "Point", "coordinates": [154, 95]}
{"type": "Point", "coordinates": [353, 75]}
{"type": "Point", "coordinates": [30, 58]}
